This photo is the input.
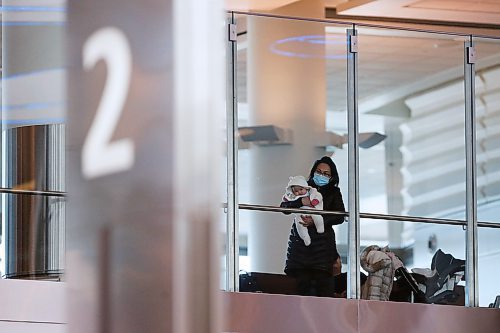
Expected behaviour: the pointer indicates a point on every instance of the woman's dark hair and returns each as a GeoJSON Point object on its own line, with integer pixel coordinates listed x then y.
{"type": "Point", "coordinates": [334, 181]}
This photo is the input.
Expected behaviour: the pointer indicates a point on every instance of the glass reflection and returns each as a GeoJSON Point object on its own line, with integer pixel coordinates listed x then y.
{"type": "Point", "coordinates": [33, 61]}
{"type": "Point", "coordinates": [33, 137]}
{"type": "Point", "coordinates": [35, 238]}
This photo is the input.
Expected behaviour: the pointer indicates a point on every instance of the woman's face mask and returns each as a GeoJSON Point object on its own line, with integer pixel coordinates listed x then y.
{"type": "Point", "coordinates": [320, 180]}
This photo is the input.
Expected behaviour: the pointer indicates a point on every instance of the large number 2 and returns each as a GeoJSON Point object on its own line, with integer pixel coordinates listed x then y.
{"type": "Point", "coordinates": [100, 156]}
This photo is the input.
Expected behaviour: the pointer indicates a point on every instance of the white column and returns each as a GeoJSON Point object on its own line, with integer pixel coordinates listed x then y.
{"type": "Point", "coordinates": [288, 92]}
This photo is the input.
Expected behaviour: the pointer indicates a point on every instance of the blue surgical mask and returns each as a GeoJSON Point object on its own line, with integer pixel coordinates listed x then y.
{"type": "Point", "coordinates": [320, 180]}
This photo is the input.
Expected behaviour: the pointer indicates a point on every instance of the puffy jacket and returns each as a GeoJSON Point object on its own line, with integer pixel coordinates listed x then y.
{"type": "Point", "coordinates": [380, 263]}
{"type": "Point", "coordinates": [322, 252]}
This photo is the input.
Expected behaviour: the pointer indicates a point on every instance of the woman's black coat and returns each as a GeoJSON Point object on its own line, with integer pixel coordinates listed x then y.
{"type": "Point", "coordinates": [322, 252]}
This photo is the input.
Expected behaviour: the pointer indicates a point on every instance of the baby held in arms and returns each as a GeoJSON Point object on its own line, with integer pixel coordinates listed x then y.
{"type": "Point", "coordinates": [298, 188]}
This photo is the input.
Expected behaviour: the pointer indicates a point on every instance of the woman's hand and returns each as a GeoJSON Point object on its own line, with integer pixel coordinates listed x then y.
{"type": "Point", "coordinates": [306, 201]}
{"type": "Point", "coordinates": [307, 220]}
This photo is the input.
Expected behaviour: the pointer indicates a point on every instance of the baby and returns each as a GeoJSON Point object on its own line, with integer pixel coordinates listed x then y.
{"type": "Point", "coordinates": [298, 188]}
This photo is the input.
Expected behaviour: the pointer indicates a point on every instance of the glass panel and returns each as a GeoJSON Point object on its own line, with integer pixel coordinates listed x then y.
{"type": "Point", "coordinates": [489, 254]}
{"type": "Point", "coordinates": [488, 128]}
{"type": "Point", "coordinates": [292, 111]}
{"type": "Point", "coordinates": [487, 165]}
{"type": "Point", "coordinates": [411, 123]}
{"type": "Point", "coordinates": [436, 263]}
{"type": "Point", "coordinates": [412, 147]}
{"type": "Point", "coordinates": [33, 138]}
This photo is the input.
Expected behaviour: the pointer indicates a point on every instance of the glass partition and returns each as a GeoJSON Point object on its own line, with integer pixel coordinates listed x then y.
{"type": "Point", "coordinates": [411, 123]}
{"type": "Point", "coordinates": [487, 85]}
{"type": "Point", "coordinates": [412, 136]}
{"type": "Point", "coordinates": [292, 109]}
{"type": "Point", "coordinates": [291, 112]}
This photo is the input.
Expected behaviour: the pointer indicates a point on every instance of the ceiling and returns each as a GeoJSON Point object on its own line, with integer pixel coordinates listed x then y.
{"type": "Point", "coordinates": [393, 63]}
{"type": "Point", "coordinates": [465, 11]}
{"type": "Point", "coordinates": [471, 11]}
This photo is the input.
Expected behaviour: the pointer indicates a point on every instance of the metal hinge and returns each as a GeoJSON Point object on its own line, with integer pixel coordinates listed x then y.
{"type": "Point", "coordinates": [353, 44]}
{"type": "Point", "coordinates": [232, 32]}
{"type": "Point", "coordinates": [471, 55]}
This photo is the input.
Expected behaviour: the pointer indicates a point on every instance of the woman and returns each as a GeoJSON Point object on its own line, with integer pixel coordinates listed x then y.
{"type": "Point", "coordinates": [312, 265]}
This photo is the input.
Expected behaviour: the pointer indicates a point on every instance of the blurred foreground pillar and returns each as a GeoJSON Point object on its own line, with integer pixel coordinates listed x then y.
{"type": "Point", "coordinates": [145, 100]}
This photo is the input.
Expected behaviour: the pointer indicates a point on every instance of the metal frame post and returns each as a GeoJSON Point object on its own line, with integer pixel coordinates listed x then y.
{"type": "Point", "coordinates": [232, 247]}
{"type": "Point", "coordinates": [471, 253]}
{"type": "Point", "coordinates": [353, 280]}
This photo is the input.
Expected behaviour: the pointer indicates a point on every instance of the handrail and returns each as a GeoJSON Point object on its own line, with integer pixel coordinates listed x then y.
{"type": "Point", "coordinates": [289, 210]}
{"type": "Point", "coordinates": [391, 217]}
{"type": "Point", "coordinates": [33, 192]}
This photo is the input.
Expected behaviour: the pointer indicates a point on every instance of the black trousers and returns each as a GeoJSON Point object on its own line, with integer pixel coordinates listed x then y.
{"type": "Point", "coordinates": [314, 283]}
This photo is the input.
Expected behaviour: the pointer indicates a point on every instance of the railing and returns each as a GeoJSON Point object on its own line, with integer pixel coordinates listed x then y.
{"type": "Point", "coordinates": [465, 78]}
{"type": "Point", "coordinates": [389, 217]}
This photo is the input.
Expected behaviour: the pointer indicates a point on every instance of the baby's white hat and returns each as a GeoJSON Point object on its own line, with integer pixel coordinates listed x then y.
{"type": "Point", "coordinates": [298, 181]}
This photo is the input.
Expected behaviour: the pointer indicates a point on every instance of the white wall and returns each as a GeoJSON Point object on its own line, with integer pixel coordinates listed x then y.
{"type": "Point", "coordinates": [32, 306]}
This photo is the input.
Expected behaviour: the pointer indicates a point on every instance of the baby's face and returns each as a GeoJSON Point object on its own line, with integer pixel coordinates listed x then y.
{"type": "Point", "coordinates": [299, 190]}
